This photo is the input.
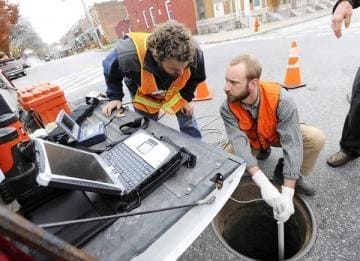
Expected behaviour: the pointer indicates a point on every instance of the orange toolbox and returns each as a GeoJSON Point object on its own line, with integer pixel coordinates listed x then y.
{"type": "Point", "coordinates": [46, 99]}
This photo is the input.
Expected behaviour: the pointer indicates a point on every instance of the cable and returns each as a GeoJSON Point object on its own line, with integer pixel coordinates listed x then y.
{"type": "Point", "coordinates": [207, 131]}
{"type": "Point", "coordinates": [204, 131]}
{"type": "Point", "coordinates": [246, 201]}
{"type": "Point", "coordinates": [86, 220]}
{"type": "Point", "coordinates": [220, 141]}
{"type": "Point", "coordinates": [110, 121]}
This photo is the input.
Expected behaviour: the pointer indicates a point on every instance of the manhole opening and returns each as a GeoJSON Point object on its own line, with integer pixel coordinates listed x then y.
{"type": "Point", "coordinates": [250, 231]}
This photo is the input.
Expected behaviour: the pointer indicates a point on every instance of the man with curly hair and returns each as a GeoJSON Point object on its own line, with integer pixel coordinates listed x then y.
{"type": "Point", "coordinates": [161, 71]}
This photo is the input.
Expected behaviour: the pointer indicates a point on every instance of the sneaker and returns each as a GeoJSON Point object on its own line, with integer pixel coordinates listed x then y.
{"type": "Point", "coordinates": [263, 154]}
{"type": "Point", "coordinates": [304, 187]}
{"type": "Point", "coordinates": [339, 158]}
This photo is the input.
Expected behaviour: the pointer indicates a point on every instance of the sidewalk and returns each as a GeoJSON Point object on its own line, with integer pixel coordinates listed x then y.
{"type": "Point", "coordinates": [264, 27]}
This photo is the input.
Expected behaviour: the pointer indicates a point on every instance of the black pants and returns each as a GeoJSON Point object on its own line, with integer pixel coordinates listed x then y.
{"type": "Point", "coordinates": [350, 139]}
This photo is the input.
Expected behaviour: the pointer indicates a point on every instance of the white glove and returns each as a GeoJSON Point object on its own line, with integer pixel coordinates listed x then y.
{"type": "Point", "coordinates": [287, 205]}
{"type": "Point", "coordinates": [268, 191]}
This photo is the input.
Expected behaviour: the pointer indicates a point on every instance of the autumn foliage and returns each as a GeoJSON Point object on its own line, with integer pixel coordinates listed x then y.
{"type": "Point", "coordinates": [9, 14]}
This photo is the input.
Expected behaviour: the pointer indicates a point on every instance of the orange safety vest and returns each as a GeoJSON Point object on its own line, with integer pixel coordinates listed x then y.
{"type": "Point", "coordinates": [261, 133]}
{"type": "Point", "coordinates": [172, 101]}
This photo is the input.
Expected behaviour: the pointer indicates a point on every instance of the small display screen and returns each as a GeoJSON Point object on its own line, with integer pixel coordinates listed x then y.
{"type": "Point", "coordinates": [69, 123]}
{"type": "Point", "coordinates": [68, 162]}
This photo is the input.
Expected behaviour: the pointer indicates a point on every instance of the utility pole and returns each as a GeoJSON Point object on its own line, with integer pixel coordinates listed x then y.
{"type": "Point", "coordinates": [90, 20]}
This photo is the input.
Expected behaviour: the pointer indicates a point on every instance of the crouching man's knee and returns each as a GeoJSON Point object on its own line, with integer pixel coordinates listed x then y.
{"type": "Point", "coordinates": [313, 138]}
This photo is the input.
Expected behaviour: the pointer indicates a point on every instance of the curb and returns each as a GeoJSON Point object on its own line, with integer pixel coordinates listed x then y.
{"type": "Point", "coordinates": [250, 34]}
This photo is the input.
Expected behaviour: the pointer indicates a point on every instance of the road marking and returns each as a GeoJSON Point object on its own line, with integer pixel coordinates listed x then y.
{"type": "Point", "coordinates": [70, 76]}
{"type": "Point", "coordinates": [80, 80]}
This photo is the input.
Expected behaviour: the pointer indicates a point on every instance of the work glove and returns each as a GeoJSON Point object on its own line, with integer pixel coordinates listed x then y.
{"type": "Point", "coordinates": [268, 191]}
{"type": "Point", "coordinates": [287, 205]}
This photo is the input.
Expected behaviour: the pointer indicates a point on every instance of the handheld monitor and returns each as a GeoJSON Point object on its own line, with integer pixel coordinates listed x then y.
{"type": "Point", "coordinates": [88, 136]}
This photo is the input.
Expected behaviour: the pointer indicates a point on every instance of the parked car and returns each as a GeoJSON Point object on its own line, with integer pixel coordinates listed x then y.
{"type": "Point", "coordinates": [12, 68]}
{"type": "Point", "coordinates": [24, 63]}
{"type": "Point", "coordinates": [8, 91]}
{"type": "Point", "coordinates": [47, 58]}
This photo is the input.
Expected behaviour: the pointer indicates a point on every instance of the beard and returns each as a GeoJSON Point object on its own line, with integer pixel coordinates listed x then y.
{"type": "Point", "coordinates": [238, 98]}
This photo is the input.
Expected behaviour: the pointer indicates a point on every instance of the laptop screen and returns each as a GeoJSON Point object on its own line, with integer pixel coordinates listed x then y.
{"type": "Point", "coordinates": [74, 163]}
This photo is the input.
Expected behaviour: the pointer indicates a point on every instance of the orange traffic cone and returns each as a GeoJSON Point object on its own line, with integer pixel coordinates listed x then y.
{"type": "Point", "coordinates": [203, 92]}
{"type": "Point", "coordinates": [293, 75]}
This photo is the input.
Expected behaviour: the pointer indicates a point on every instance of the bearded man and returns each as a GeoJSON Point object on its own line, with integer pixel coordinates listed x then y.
{"type": "Point", "coordinates": [258, 115]}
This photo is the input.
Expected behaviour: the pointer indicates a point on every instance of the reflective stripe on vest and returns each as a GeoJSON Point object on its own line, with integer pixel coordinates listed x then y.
{"type": "Point", "coordinates": [261, 133]}
{"type": "Point", "coordinates": [142, 100]}
{"type": "Point", "coordinates": [175, 104]}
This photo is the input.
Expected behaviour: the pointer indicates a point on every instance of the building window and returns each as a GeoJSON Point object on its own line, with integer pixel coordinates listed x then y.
{"type": "Point", "coordinates": [152, 15]}
{"type": "Point", "coordinates": [200, 9]}
{"type": "Point", "coordinates": [146, 22]}
{"type": "Point", "coordinates": [257, 4]}
{"type": "Point", "coordinates": [169, 12]}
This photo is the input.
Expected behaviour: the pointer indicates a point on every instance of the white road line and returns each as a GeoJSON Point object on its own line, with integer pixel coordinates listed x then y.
{"type": "Point", "coordinates": [70, 79]}
{"type": "Point", "coordinates": [84, 79]}
{"type": "Point", "coordinates": [83, 86]}
{"type": "Point", "coordinates": [70, 76]}
{"type": "Point", "coordinates": [80, 80]}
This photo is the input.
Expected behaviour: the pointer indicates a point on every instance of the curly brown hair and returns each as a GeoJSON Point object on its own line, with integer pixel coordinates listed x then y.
{"type": "Point", "coordinates": [171, 40]}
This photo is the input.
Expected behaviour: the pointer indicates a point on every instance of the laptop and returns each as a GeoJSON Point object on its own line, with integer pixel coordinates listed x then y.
{"type": "Point", "coordinates": [140, 161]}
{"type": "Point", "coordinates": [92, 134]}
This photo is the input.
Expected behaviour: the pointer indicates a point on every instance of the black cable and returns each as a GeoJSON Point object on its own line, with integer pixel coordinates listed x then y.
{"type": "Point", "coordinates": [86, 220]}
{"type": "Point", "coordinates": [110, 121]}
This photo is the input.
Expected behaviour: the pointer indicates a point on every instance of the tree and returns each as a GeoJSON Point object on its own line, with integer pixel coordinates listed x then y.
{"type": "Point", "coordinates": [23, 36]}
{"type": "Point", "coordinates": [9, 14]}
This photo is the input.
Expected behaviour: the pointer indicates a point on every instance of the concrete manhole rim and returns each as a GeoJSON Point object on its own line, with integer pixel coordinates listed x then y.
{"type": "Point", "coordinates": [300, 254]}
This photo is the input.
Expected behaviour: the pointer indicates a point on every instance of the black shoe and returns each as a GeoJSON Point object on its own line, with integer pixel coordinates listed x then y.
{"type": "Point", "coordinates": [305, 187]}
{"type": "Point", "coordinates": [278, 172]}
{"type": "Point", "coordinates": [302, 186]}
{"type": "Point", "coordinates": [263, 154]}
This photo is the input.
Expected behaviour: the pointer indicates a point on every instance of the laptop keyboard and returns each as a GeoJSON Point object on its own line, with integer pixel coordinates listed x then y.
{"type": "Point", "coordinates": [130, 167]}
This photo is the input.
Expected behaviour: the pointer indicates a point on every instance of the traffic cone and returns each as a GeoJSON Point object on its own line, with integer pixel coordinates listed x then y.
{"type": "Point", "coordinates": [293, 75]}
{"type": "Point", "coordinates": [202, 92]}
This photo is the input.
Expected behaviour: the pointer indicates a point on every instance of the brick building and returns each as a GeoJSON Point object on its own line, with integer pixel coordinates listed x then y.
{"type": "Point", "coordinates": [144, 15]}
{"type": "Point", "coordinates": [106, 16]}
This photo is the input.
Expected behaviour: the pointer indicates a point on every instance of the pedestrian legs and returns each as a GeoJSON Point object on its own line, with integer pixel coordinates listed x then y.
{"type": "Point", "coordinates": [350, 139]}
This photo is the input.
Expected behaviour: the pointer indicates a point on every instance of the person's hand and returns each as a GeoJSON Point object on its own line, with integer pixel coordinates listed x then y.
{"type": "Point", "coordinates": [188, 109]}
{"type": "Point", "coordinates": [342, 12]}
{"type": "Point", "coordinates": [287, 205]}
{"type": "Point", "coordinates": [268, 191]}
{"type": "Point", "coordinates": [115, 104]}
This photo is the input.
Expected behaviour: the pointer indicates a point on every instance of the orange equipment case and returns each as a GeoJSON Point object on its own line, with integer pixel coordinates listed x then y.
{"type": "Point", "coordinates": [46, 99]}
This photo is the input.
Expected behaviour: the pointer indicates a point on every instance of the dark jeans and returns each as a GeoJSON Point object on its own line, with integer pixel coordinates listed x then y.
{"type": "Point", "coordinates": [350, 139]}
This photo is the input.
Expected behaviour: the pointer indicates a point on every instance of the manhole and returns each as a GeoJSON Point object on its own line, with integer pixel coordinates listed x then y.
{"type": "Point", "coordinates": [250, 231]}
